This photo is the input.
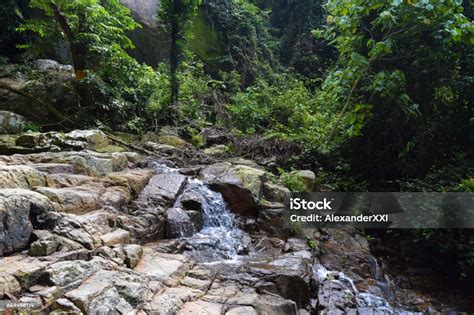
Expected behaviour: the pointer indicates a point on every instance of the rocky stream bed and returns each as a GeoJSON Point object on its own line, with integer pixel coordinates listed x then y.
{"type": "Point", "coordinates": [89, 227]}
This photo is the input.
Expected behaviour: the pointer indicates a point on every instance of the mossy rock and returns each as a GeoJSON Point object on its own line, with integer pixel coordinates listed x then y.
{"type": "Point", "coordinates": [172, 140]}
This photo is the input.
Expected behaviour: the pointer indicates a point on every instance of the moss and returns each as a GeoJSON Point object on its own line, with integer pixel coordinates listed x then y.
{"type": "Point", "coordinates": [206, 43]}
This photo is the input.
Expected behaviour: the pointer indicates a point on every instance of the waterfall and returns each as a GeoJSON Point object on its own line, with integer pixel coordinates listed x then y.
{"type": "Point", "coordinates": [362, 299]}
{"type": "Point", "coordinates": [219, 237]}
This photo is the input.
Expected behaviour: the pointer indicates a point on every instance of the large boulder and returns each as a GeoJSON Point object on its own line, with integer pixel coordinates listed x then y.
{"type": "Point", "coordinates": [151, 40]}
{"type": "Point", "coordinates": [289, 275]}
{"type": "Point", "coordinates": [182, 223]}
{"type": "Point", "coordinates": [164, 185]}
{"type": "Point", "coordinates": [240, 185]}
{"type": "Point", "coordinates": [18, 208]}
{"type": "Point", "coordinates": [11, 122]}
{"type": "Point", "coordinates": [56, 86]}
{"type": "Point", "coordinates": [94, 139]}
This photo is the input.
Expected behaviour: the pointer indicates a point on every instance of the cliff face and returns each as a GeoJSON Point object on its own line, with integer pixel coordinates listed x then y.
{"type": "Point", "coordinates": [150, 41]}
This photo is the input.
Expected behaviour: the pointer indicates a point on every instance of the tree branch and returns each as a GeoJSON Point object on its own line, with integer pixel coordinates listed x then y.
{"type": "Point", "coordinates": [47, 106]}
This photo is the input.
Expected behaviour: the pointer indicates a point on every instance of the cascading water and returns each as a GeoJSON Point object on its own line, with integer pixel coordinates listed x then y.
{"type": "Point", "coordinates": [325, 277]}
{"type": "Point", "coordinates": [219, 238]}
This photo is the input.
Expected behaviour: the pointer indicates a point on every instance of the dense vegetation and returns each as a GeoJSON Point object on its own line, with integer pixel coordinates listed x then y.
{"type": "Point", "coordinates": [377, 93]}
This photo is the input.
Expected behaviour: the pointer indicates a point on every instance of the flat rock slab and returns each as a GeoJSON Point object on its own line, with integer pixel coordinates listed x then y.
{"type": "Point", "coordinates": [167, 185]}
{"type": "Point", "coordinates": [167, 268]}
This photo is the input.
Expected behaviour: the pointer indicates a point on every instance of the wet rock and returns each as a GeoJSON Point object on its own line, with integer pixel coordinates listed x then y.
{"type": "Point", "coordinates": [289, 274]}
{"type": "Point", "coordinates": [274, 222]}
{"type": "Point", "coordinates": [8, 285]}
{"type": "Point", "coordinates": [166, 185]}
{"type": "Point", "coordinates": [179, 223]}
{"type": "Point", "coordinates": [11, 122]}
{"type": "Point", "coordinates": [240, 185]}
{"type": "Point", "coordinates": [116, 237]}
{"type": "Point", "coordinates": [17, 208]}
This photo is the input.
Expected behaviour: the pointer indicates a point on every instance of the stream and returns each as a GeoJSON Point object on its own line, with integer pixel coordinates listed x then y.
{"type": "Point", "coordinates": [219, 242]}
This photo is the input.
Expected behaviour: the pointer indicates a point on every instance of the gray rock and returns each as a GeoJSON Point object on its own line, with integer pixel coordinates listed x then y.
{"type": "Point", "coordinates": [274, 222]}
{"type": "Point", "coordinates": [43, 247]}
{"type": "Point", "coordinates": [242, 310]}
{"type": "Point", "coordinates": [94, 138]}
{"type": "Point", "coordinates": [179, 223]}
{"type": "Point", "coordinates": [219, 149]}
{"type": "Point", "coordinates": [240, 185]}
{"type": "Point", "coordinates": [8, 285]}
{"type": "Point", "coordinates": [48, 64]}
{"type": "Point", "coordinates": [118, 236]}
{"type": "Point", "coordinates": [11, 122]}
{"type": "Point", "coordinates": [166, 185]}
{"type": "Point", "coordinates": [274, 192]}
{"type": "Point", "coordinates": [62, 306]}
{"type": "Point", "coordinates": [270, 304]}
{"type": "Point", "coordinates": [68, 275]}
{"type": "Point", "coordinates": [17, 207]}
{"type": "Point", "coordinates": [290, 275]}
{"type": "Point", "coordinates": [133, 253]}
{"type": "Point", "coordinates": [168, 268]}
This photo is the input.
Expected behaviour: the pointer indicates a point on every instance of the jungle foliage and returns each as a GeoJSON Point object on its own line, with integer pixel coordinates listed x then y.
{"type": "Point", "coordinates": [377, 93]}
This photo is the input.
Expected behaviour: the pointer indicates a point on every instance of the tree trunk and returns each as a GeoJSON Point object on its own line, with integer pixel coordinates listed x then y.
{"type": "Point", "coordinates": [78, 52]}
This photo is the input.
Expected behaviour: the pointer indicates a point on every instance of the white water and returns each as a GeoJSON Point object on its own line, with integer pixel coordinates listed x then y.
{"type": "Point", "coordinates": [219, 238]}
{"type": "Point", "coordinates": [362, 299]}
